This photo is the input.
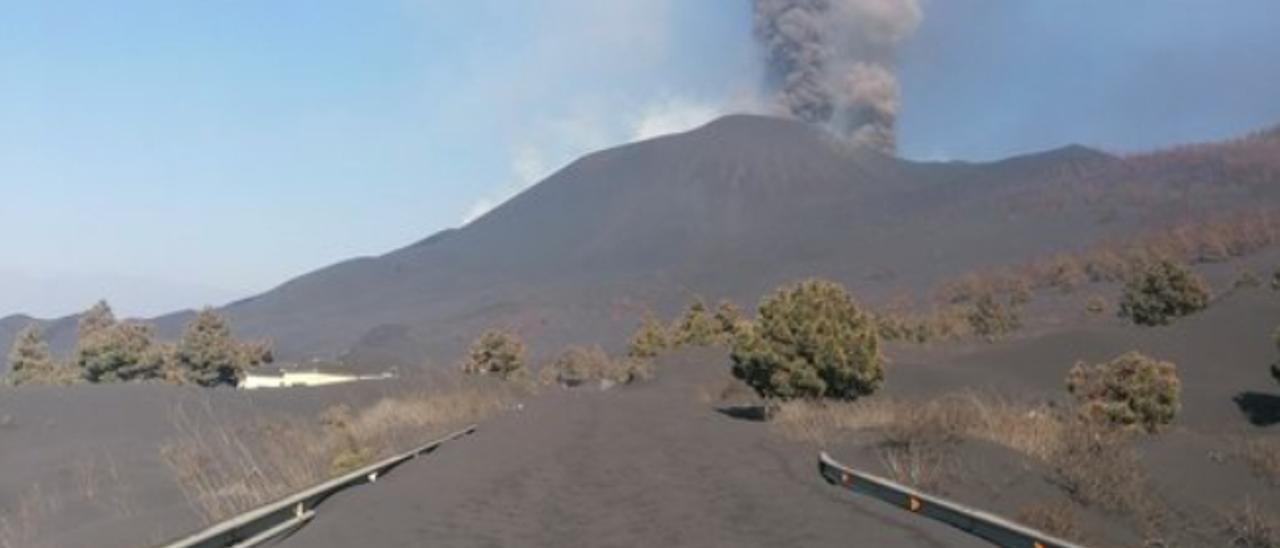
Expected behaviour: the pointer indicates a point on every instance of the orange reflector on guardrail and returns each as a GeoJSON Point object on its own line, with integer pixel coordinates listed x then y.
{"type": "Point", "coordinates": [913, 503]}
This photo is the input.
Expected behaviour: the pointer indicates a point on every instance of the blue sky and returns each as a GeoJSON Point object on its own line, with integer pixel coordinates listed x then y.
{"type": "Point", "coordinates": [168, 154]}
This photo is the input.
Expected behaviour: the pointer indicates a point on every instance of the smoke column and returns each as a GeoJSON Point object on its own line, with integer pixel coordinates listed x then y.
{"type": "Point", "coordinates": [831, 62]}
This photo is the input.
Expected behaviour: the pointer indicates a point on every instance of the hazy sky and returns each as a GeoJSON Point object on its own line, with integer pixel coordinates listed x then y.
{"type": "Point", "coordinates": [171, 153]}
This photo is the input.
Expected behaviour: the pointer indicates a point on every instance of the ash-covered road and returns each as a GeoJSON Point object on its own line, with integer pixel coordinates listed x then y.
{"type": "Point", "coordinates": [640, 466]}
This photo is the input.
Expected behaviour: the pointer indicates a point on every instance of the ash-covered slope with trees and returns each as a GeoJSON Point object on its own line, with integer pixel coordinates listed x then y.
{"type": "Point", "coordinates": [729, 210]}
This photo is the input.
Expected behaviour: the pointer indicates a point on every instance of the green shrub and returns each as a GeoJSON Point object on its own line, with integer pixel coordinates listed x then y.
{"type": "Point", "coordinates": [1163, 292]}
{"type": "Point", "coordinates": [991, 318]}
{"type": "Point", "coordinates": [649, 340]}
{"type": "Point", "coordinates": [695, 327]}
{"type": "Point", "coordinates": [496, 352]}
{"type": "Point", "coordinates": [1131, 390]}
{"type": "Point", "coordinates": [810, 340]}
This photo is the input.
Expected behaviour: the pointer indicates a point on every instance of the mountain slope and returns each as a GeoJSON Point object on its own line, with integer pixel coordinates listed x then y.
{"type": "Point", "coordinates": [726, 210]}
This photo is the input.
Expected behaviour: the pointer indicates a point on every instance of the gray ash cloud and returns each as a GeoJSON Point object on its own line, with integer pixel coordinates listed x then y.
{"type": "Point", "coordinates": [831, 62]}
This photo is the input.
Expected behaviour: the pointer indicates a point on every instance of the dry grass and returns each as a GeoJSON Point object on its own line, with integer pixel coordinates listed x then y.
{"type": "Point", "coordinates": [1055, 518]}
{"type": "Point", "coordinates": [22, 526]}
{"type": "Point", "coordinates": [920, 464]}
{"type": "Point", "coordinates": [916, 439]}
{"type": "Point", "coordinates": [1263, 457]}
{"type": "Point", "coordinates": [1096, 467]}
{"type": "Point", "coordinates": [1251, 527]}
{"type": "Point", "coordinates": [90, 483]}
{"type": "Point", "coordinates": [1029, 429]}
{"type": "Point", "coordinates": [224, 469]}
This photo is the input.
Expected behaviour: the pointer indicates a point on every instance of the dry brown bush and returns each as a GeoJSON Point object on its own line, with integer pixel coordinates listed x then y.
{"type": "Point", "coordinates": [1029, 429]}
{"type": "Point", "coordinates": [224, 469]}
{"type": "Point", "coordinates": [1096, 305]}
{"type": "Point", "coordinates": [1231, 235]}
{"type": "Point", "coordinates": [1096, 466]}
{"type": "Point", "coordinates": [578, 365]}
{"type": "Point", "coordinates": [1263, 457]}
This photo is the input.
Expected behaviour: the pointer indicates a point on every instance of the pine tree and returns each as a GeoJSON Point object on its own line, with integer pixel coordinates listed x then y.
{"type": "Point", "coordinates": [696, 327]}
{"type": "Point", "coordinates": [96, 319]}
{"type": "Point", "coordinates": [208, 355]}
{"type": "Point", "coordinates": [29, 359]}
{"type": "Point", "coordinates": [119, 352]}
{"type": "Point", "coordinates": [810, 340]}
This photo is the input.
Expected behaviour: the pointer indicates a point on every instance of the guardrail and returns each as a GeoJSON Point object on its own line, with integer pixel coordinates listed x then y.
{"type": "Point", "coordinates": [995, 529]}
{"type": "Point", "coordinates": [288, 514]}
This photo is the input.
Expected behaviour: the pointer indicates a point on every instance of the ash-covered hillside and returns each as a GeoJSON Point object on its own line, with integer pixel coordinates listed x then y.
{"type": "Point", "coordinates": [729, 210]}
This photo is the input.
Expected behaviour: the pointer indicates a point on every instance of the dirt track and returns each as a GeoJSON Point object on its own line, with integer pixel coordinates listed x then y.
{"type": "Point", "coordinates": [642, 466]}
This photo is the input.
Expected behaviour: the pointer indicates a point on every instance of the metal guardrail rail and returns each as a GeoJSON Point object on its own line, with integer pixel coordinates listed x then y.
{"type": "Point", "coordinates": [269, 522]}
{"type": "Point", "coordinates": [995, 529]}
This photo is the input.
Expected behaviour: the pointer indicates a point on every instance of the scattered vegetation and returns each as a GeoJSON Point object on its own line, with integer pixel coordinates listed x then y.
{"type": "Point", "coordinates": [1210, 240]}
{"type": "Point", "coordinates": [1131, 390]}
{"type": "Point", "coordinates": [992, 318]}
{"type": "Point", "coordinates": [810, 340]}
{"type": "Point", "coordinates": [951, 322]}
{"type": "Point", "coordinates": [578, 365]}
{"type": "Point", "coordinates": [496, 352]}
{"type": "Point", "coordinates": [1163, 292]}
{"type": "Point", "coordinates": [108, 350]}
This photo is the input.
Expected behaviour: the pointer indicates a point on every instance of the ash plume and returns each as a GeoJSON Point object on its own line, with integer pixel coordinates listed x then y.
{"type": "Point", "coordinates": [831, 62]}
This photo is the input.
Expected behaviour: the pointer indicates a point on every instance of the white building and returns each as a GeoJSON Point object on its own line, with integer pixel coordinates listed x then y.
{"type": "Point", "coordinates": [289, 378]}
